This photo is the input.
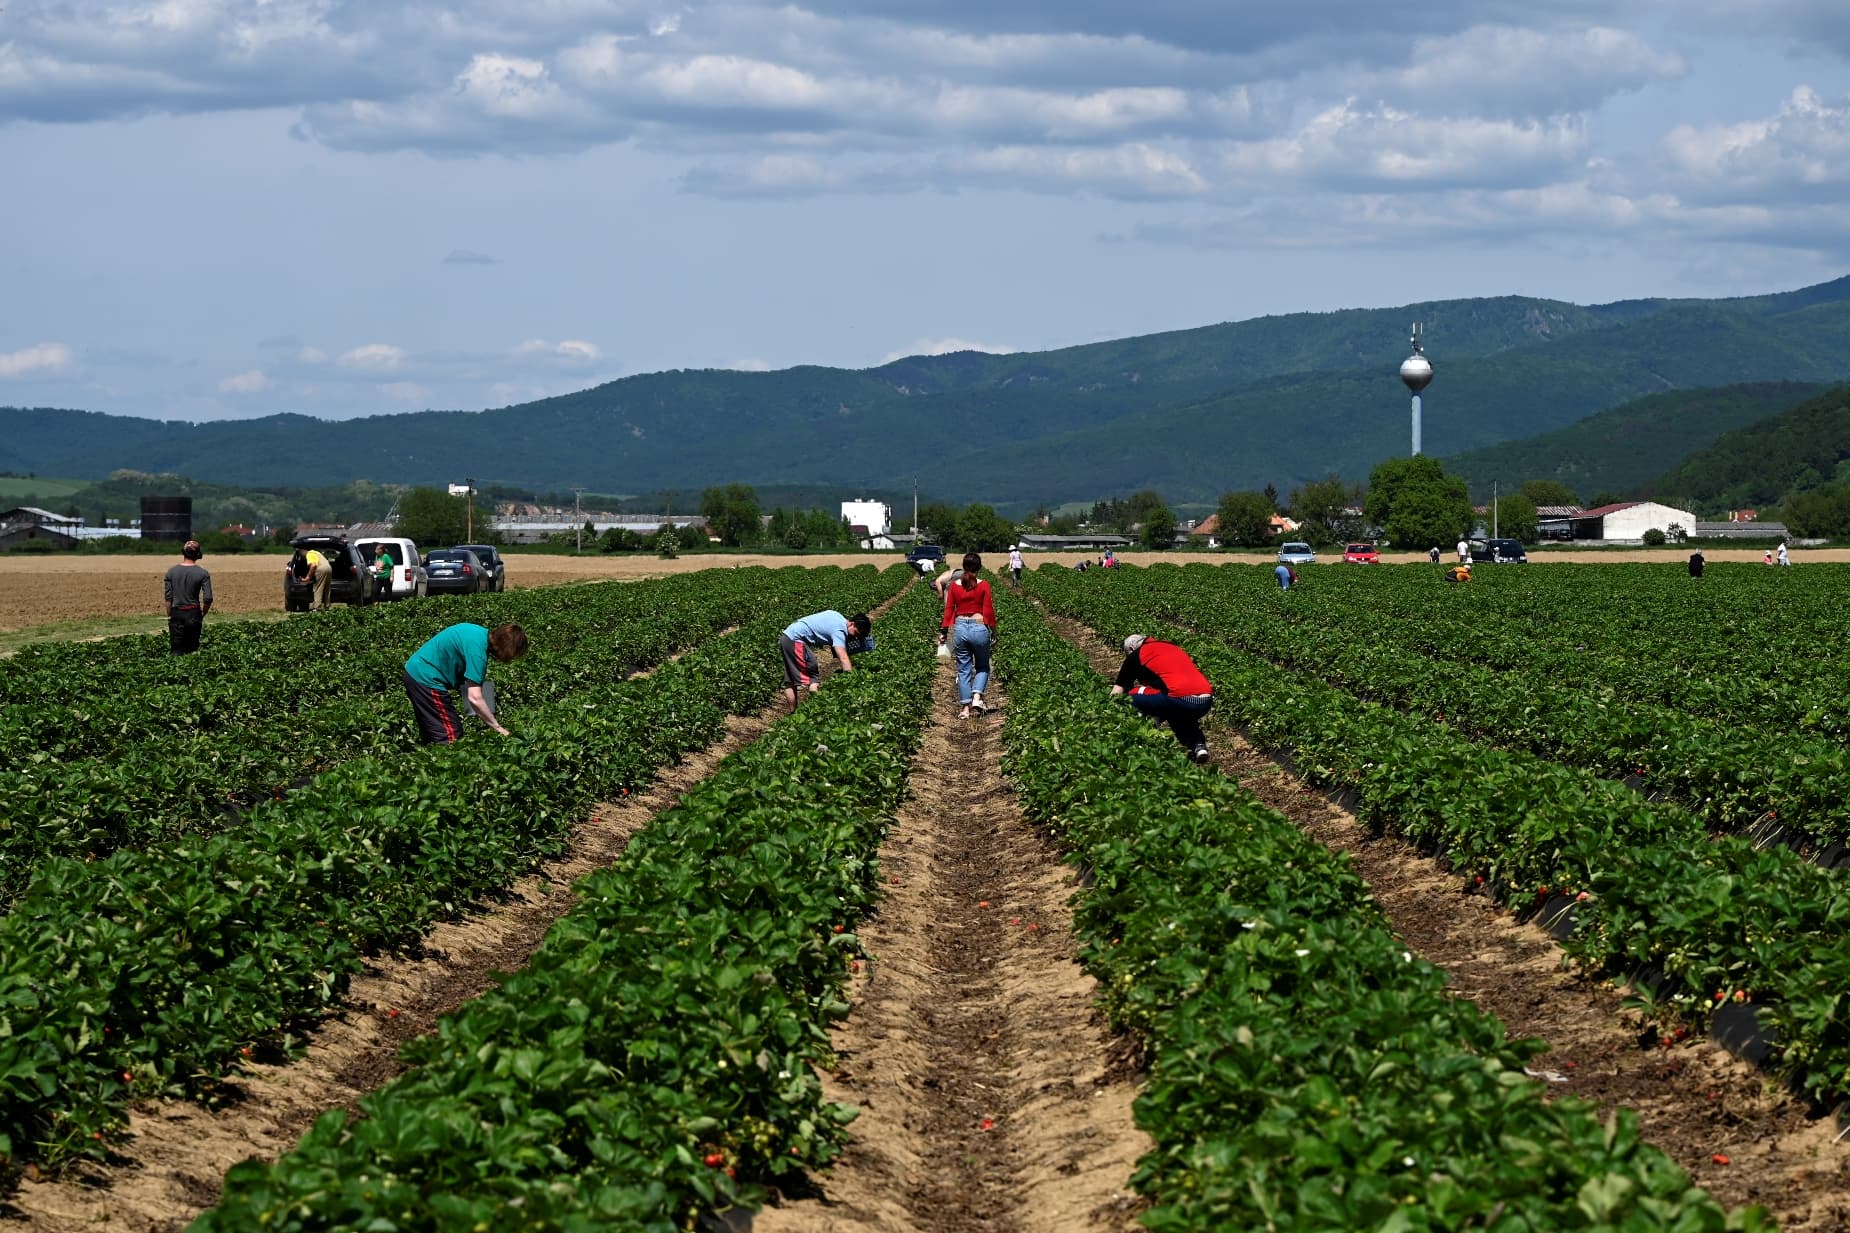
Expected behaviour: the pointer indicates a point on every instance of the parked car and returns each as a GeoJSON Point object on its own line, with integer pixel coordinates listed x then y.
{"type": "Point", "coordinates": [455, 570]}
{"type": "Point", "coordinates": [1296, 554]}
{"type": "Point", "coordinates": [1499, 551]}
{"type": "Point", "coordinates": [492, 561]}
{"type": "Point", "coordinates": [408, 578]}
{"type": "Point", "coordinates": [352, 582]}
{"type": "Point", "coordinates": [924, 552]}
{"type": "Point", "coordinates": [1361, 554]}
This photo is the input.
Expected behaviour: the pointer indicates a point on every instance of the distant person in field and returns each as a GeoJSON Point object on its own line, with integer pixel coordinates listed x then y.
{"type": "Point", "coordinates": [1015, 562]}
{"type": "Point", "coordinates": [1433, 554]}
{"type": "Point", "coordinates": [1464, 552]}
{"type": "Point", "coordinates": [969, 625]}
{"type": "Point", "coordinates": [942, 582]}
{"type": "Point", "coordinates": [187, 594]}
{"type": "Point", "coordinates": [455, 660]}
{"type": "Point", "coordinates": [1696, 564]}
{"type": "Point", "coordinates": [1111, 559]}
{"type": "Point", "coordinates": [383, 565]}
{"type": "Point", "coordinates": [1164, 683]}
{"type": "Point", "coordinates": [1785, 558]}
{"type": "Point", "coordinates": [1458, 573]}
{"type": "Point", "coordinates": [1286, 576]}
{"type": "Point", "coordinates": [1767, 556]}
{"type": "Point", "coordinates": [317, 571]}
{"type": "Point", "coordinates": [846, 636]}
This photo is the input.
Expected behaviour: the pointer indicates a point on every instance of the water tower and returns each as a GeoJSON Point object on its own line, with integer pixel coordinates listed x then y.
{"type": "Point", "coordinates": [1416, 372]}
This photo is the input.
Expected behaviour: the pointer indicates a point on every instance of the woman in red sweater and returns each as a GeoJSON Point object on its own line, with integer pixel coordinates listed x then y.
{"type": "Point", "coordinates": [969, 614]}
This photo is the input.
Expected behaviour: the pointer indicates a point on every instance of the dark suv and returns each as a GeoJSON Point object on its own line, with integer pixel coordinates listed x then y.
{"type": "Point", "coordinates": [493, 564]}
{"type": "Point", "coordinates": [1499, 551]}
{"type": "Point", "coordinates": [924, 552]}
{"type": "Point", "coordinates": [352, 582]}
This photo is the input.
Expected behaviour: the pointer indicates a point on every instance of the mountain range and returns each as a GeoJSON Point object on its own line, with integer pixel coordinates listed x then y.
{"type": "Point", "coordinates": [1191, 413]}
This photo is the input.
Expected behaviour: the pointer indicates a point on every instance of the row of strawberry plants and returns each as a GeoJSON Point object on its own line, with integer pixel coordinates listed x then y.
{"type": "Point", "coordinates": [1731, 775]}
{"type": "Point", "coordinates": [279, 670]}
{"type": "Point", "coordinates": [152, 972]}
{"type": "Point", "coordinates": [1760, 646]}
{"type": "Point", "coordinates": [57, 805]}
{"type": "Point", "coordinates": [1718, 919]}
{"type": "Point", "coordinates": [658, 1058]}
{"type": "Point", "coordinates": [1306, 1070]}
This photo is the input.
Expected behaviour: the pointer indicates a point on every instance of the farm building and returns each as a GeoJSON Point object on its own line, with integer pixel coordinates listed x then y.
{"type": "Point", "coordinates": [27, 523]}
{"type": "Point", "coordinates": [1627, 521]}
{"type": "Point", "coordinates": [1073, 543]}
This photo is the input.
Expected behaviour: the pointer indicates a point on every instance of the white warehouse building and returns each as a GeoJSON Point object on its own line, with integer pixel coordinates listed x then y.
{"type": "Point", "coordinates": [1627, 521]}
{"type": "Point", "coordinates": [875, 518]}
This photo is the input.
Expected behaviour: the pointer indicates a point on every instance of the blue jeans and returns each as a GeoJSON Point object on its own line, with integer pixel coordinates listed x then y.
{"type": "Point", "coordinates": [1184, 715]}
{"type": "Point", "coordinates": [970, 643]}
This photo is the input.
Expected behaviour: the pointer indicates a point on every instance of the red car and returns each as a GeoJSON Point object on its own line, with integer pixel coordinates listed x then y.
{"type": "Point", "coordinates": [1361, 554]}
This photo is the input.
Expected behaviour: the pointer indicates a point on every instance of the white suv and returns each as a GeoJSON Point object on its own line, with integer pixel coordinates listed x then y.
{"type": "Point", "coordinates": [408, 580]}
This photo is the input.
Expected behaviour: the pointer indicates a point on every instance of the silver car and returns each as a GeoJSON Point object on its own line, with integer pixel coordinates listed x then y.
{"type": "Point", "coordinates": [1296, 554]}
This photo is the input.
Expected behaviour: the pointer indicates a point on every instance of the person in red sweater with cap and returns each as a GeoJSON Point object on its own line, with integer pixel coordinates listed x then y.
{"type": "Point", "coordinates": [1164, 683]}
{"type": "Point", "coordinates": [970, 615]}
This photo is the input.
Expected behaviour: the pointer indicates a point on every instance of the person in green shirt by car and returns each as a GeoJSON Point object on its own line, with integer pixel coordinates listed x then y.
{"type": "Point", "coordinates": [455, 660]}
{"type": "Point", "coordinates": [383, 565]}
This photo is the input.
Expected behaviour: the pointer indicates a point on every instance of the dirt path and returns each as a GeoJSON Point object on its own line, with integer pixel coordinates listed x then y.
{"type": "Point", "coordinates": [1694, 1100]}
{"type": "Point", "coordinates": [172, 1167]}
{"type": "Point", "coordinates": [990, 1099]}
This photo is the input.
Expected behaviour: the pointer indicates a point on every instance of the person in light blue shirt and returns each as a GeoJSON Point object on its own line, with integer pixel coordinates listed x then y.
{"type": "Point", "coordinates": [1285, 576]}
{"type": "Point", "coordinates": [455, 660]}
{"type": "Point", "coordinates": [843, 635]}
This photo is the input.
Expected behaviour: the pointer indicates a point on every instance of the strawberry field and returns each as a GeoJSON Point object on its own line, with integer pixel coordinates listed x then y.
{"type": "Point", "coordinates": [878, 967]}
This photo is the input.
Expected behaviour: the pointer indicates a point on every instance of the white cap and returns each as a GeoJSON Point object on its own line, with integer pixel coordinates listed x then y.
{"type": "Point", "coordinates": [1132, 643]}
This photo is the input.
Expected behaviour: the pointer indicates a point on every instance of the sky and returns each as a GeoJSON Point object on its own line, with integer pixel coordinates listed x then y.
{"type": "Point", "coordinates": [215, 209]}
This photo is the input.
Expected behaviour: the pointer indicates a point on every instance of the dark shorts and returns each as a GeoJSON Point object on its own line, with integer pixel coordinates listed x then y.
{"type": "Point", "coordinates": [800, 670]}
{"type": "Point", "coordinates": [438, 722]}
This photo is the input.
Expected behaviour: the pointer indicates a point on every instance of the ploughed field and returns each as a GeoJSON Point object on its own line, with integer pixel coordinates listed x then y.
{"type": "Point", "coordinates": [668, 952]}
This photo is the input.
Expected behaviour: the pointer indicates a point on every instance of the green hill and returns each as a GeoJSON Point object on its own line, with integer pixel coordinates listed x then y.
{"type": "Point", "coordinates": [1765, 462]}
{"type": "Point", "coordinates": [1621, 450]}
{"type": "Point", "coordinates": [1190, 412]}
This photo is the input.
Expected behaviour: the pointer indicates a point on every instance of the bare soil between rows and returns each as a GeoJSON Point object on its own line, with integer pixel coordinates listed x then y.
{"type": "Point", "coordinates": [994, 1097]}
{"type": "Point", "coordinates": [174, 1163]}
{"type": "Point", "coordinates": [1693, 1099]}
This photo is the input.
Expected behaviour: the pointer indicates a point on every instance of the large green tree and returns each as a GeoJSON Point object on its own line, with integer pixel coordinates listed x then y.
{"type": "Point", "coordinates": [1159, 529]}
{"type": "Point", "coordinates": [938, 522]}
{"type": "Point", "coordinates": [1321, 508]}
{"type": "Point", "coordinates": [1514, 517]}
{"type": "Point", "coordinates": [981, 529]}
{"type": "Point", "coordinates": [1416, 504]}
{"type": "Point", "coordinates": [432, 518]}
{"type": "Point", "coordinates": [732, 513]}
{"type": "Point", "coordinates": [1245, 518]}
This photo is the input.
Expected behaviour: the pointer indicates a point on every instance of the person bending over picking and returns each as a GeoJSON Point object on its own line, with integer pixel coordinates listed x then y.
{"type": "Point", "coordinates": [1164, 683]}
{"type": "Point", "coordinates": [831, 629]}
{"type": "Point", "coordinates": [456, 660]}
{"type": "Point", "coordinates": [969, 610]}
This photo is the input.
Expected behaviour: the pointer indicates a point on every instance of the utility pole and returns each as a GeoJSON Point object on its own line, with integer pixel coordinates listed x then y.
{"type": "Point", "coordinates": [1493, 509]}
{"type": "Point", "coordinates": [469, 509]}
{"type": "Point", "coordinates": [578, 515]}
{"type": "Point", "coordinates": [915, 508]}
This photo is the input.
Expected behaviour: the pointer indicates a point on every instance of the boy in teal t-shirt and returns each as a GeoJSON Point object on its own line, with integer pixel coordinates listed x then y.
{"type": "Point", "coordinates": [456, 660]}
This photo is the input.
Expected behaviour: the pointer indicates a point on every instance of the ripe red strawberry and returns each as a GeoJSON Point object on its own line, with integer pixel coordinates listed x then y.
{"type": "Point", "coordinates": [715, 1159]}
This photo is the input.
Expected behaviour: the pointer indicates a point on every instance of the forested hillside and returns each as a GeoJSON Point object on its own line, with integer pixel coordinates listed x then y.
{"type": "Point", "coordinates": [1621, 450]}
{"type": "Point", "coordinates": [1761, 464]}
{"type": "Point", "coordinates": [1192, 412]}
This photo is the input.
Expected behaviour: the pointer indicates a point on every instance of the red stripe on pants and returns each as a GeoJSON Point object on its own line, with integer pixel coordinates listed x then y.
{"type": "Point", "coordinates": [442, 699]}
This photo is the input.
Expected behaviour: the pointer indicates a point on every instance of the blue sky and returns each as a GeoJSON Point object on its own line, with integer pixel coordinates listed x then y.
{"type": "Point", "coordinates": [224, 208]}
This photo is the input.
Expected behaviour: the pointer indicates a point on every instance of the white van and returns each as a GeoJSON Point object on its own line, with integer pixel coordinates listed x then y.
{"type": "Point", "coordinates": [408, 580]}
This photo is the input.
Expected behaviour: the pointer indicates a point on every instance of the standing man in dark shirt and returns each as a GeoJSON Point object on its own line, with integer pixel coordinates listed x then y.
{"type": "Point", "coordinates": [1164, 683]}
{"type": "Point", "coordinates": [187, 592]}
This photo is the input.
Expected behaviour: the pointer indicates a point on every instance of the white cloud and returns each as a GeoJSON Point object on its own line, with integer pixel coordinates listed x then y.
{"type": "Point", "coordinates": [750, 365]}
{"type": "Point", "coordinates": [1353, 146]}
{"type": "Point", "coordinates": [374, 357]}
{"type": "Point", "coordinates": [1802, 152]}
{"type": "Point", "coordinates": [252, 382]}
{"type": "Point", "coordinates": [312, 355]}
{"type": "Point", "coordinates": [571, 350]}
{"type": "Point", "coordinates": [1533, 72]}
{"type": "Point", "coordinates": [40, 358]}
{"type": "Point", "coordinates": [945, 346]}
{"type": "Point", "coordinates": [409, 392]}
